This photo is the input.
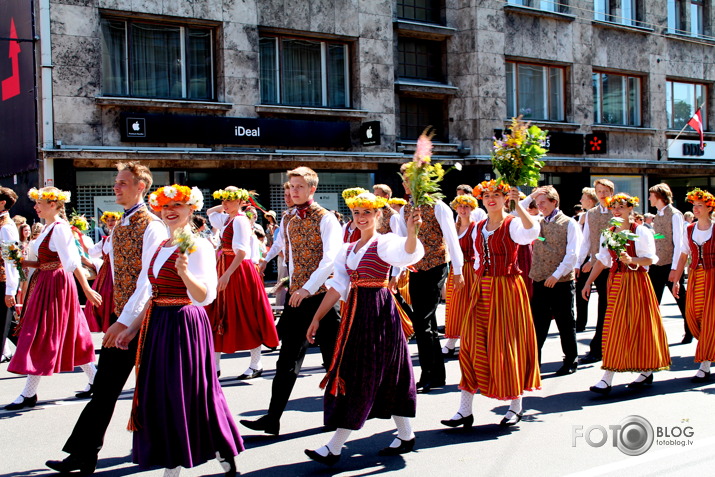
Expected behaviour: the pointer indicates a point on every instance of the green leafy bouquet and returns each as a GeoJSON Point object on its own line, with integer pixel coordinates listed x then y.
{"type": "Point", "coordinates": [614, 240]}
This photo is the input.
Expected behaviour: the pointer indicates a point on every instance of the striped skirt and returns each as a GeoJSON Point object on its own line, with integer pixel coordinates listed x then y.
{"type": "Point", "coordinates": [498, 355]}
{"type": "Point", "coordinates": [458, 301]}
{"type": "Point", "coordinates": [633, 335]}
{"type": "Point", "coordinates": [700, 312]}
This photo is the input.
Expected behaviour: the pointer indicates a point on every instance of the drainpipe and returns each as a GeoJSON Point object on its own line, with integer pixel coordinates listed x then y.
{"type": "Point", "coordinates": [47, 172]}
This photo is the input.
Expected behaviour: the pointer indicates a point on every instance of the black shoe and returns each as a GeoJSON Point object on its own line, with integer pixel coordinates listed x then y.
{"type": "Point", "coordinates": [255, 373]}
{"type": "Point", "coordinates": [463, 421]}
{"type": "Point", "coordinates": [427, 386]}
{"type": "Point", "coordinates": [85, 394]}
{"type": "Point", "coordinates": [567, 368]}
{"type": "Point", "coordinates": [26, 402]}
{"type": "Point", "coordinates": [330, 459]}
{"type": "Point", "coordinates": [688, 338]}
{"type": "Point", "coordinates": [265, 424]}
{"type": "Point", "coordinates": [598, 390]}
{"type": "Point", "coordinates": [703, 379]}
{"type": "Point", "coordinates": [580, 330]}
{"type": "Point", "coordinates": [641, 384]}
{"type": "Point", "coordinates": [513, 421]}
{"type": "Point", "coordinates": [72, 463]}
{"type": "Point", "coordinates": [589, 358]}
{"type": "Point", "coordinates": [403, 448]}
{"type": "Point", "coordinates": [228, 465]}
{"type": "Point", "coordinates": [451, 353]}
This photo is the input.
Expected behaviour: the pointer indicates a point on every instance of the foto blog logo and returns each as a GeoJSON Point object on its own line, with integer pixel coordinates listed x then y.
{"type": "Point", "coordinates": [633, 436]}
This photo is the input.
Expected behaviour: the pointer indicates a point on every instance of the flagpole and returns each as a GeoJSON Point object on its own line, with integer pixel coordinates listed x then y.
{"type": "Point", "coordinates": [681, 131]}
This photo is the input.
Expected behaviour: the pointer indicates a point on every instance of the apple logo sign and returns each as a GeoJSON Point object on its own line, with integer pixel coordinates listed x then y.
{"type": "Point", "coordinates": [136, 127]}
{"type": "Point", "coordinates": [368, 133]}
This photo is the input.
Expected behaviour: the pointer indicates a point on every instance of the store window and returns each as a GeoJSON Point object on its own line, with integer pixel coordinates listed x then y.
{"type": "Point", "coordinates": [153, 60]}
{"type": "Point", "coordinates": [617, 99]}
{"type": "Point", "coordinates": [420, 59]}
{"type": "Point", "coordinates": [418, 113]}
{"type": "Point", "coordinates": [428, 11]}
{"type": "Point", "coordinates": [304, 72]}
{"type": "Point", "coordinates": [681, 102]}
{"type": "Point", "coordinates": [546, 5]}
{"type": "Point", "coordinates": [624, 12]}
{"type": "Point", "coordinates": [535, 91]}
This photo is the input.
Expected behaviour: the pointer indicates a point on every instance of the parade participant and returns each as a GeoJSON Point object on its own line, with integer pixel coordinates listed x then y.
{"type": "Point", "coordinates": [552, 271]}
{"type": "Point", "coordinates": [397, 204]}
{"type": "Point", "coordinates": [53, 336]}
{"type": "Point", "coordinates": [477, 214]}
{"type": "Point", "coordinates": [697, 243]}
{"type": "Point", "coordinates": [458, 300]}
{"type": "Point", "coordinates": [371, 375]}
{"type": "Point", "coordinates": [351, 232]}
{"type": "Point", "coordinates": [668, 224]}
{"type": "Point", "coordinates": [278, 250]}
{"type": "Point", "coordinates": [99, 319]}
{"type": "Point", "coordinates": [633, 336]}
{"type": "Point", "coordinates": [179, 422]}
{"type": "Point", "coordinates": [439, 236]}
{"type": "Point", "coordinates": [241, 315]}
{"type": "Point", "coordinates": [312, 242]}
{"type": "Point", "coordinates": [498, 355]}
{"type": "Point", "coordinates": [389, 219]}
{"type": "Point", "coordinates": [132, 242]}
{"type": "Point", "coordinates": [589, 200]}
{"type": "Point", "coordinates": [9, 274]}
{"type": "Point", "coordinates": [596, 220]}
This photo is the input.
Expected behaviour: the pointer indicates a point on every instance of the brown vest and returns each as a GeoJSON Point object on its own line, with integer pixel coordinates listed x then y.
{"type": "Point", "coordinates": [383, 227]}
{"type": "Point", "coordinates": [306, 241]}
{"type": "Point", "coordinates": [127, 242]}
{"type": "Point", "coordinates": [431, 237]}
{"type": "Point", "coordinates": [596, 223]}
{"type": "Point", "coordinates": [665, 247]}
{"type": "Point", "coordinates": [549, 253]}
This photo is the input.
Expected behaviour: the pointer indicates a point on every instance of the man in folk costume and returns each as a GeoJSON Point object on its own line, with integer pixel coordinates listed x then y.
{"type": "Point", "coordinates": [312, 240]}
{"type": "Point", "coordinates": [552, 271]}
{"type": "Point", "coordinates": [389, 220]}
{"type": "Point", "coordinates": [278, 248]}
{"type": "Point", "coordinates": [438, 234]}
{"type": "Point", "coordinates": [596, 220]}
{"type": "Point", "coordinates": [132, 242]}
{"type": "Point", "coordinates": [9, 274]}
{"type": "Point", "coordinates": [668, 227]}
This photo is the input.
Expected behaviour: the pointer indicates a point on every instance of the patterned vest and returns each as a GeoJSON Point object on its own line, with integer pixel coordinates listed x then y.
{"type": "Point", "coordinates": [467, 245]}
{"type": "Point", "coordinates": [168, 284]}
{"type": "Point", "coordinates": [3, 220]}
{"type": "Point", "coordinates": [665, 247]}
{"type": "Point", "coordinates": [371, 265]}
{"type": "Point", "coordinates": [548, 254]}
{"type": "Point", "coordinates": [383, 226]}
{"type": "Point", "coordinates": [596, 223]}
{"type": "Point", "coordinates": [619, 266]}
{"type": "Point", "coordinates": [498, 253]}
{"type": "Point", "coordinates": [127, 241]}
{"type": "Point", "coordinates": [702, 255]}
{"type": "Point", "coordinates": [306, 240]}
{"type": "Point", "coordinates": [431, 237]}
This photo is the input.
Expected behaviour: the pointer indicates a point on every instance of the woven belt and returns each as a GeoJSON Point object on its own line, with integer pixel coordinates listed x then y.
{"type": "Point", "coordinates": [368, 283]}
{"type": "Point", "coordinates": [228, 251]}
{"type": "Point", "coordinates": [50, 265]}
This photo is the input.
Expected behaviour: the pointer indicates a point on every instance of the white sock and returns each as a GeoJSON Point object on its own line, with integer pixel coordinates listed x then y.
{"type": "Point", "coordinates": [404, 430]}
{"type": "Point", "coordinates": [606, 380]}
{"type": "Point", "coordinates": [30, 390]}
{"type": "Point", "coordinates": [515, 407]}
{"type": "Point", "coordinates": [465, 405]}
{"type": "Point", "coordinates": [643, 376]}
{"type": "Point", "coordinates": [217, 360]}
{"type": "Point", "coordinates": [91, 371]}
{"type": "Point", "coordinates": [705, 367]}
{"type": "Point", "coordinates": [256, 359]}
{"type": "Point", "coordinates": [172, 472]}
{"type": "Point", "coordinates": [335, 445]}
{"type": "Point", "coordinates": [449, 345]}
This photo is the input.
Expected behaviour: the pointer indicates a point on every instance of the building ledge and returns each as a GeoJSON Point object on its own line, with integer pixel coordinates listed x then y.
{"type": "Point", "coordinates": [620, 26]}
{"type": "Point", "coordinates": [438, 148]}
{"type": "Point", "coordinates": [542, 123]}
{"type": "Point", "coordinates": [537, 12]}
{"type": "Point", "coordinates": [671, 133]}
{"type": "Point", "coordinates": [707, 41]}
{"type": "Point", "coordinates": [427, 31]}
{"type": "Point", "coordinates": [424, 88]}
{"type": "Point", "coordinates": [623, 129]}
{"type": "Point", "coordinates": [162, 103]}
{"type": "Point", "coordinates": [311, 111]}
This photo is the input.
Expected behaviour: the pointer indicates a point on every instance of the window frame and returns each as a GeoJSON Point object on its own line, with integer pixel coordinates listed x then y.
{"type": "Point", "coordinates": [437, 49]}
{"type": "Point", "coordinates": [598, 99]}
{"type": "Point", "coordinates": [547, 95]}
{"type": "Point", "coordinates": [437, 108]}
{"type": "Point", "coordinates": [670, 100]}
{"type": "Point", "coordinates": [434, 12]}
{"type": "Point", "coordinates": [604, 10]}
{"type": "Point", "coordinates": [554, 6]}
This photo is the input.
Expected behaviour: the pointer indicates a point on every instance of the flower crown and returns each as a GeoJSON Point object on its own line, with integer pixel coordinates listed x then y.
{"type": "Point", "coordinates": [111, 215]}
{"type": "Point", "coordinates": [353, 192]}
{"type": "Point", "coordinates": [49, 195]}
{"type": "Point", "coordinates": [80, 222]}
{"type": "Point", "coordinates": [238, 194]}
{"type": "Point", "coordinates": [621, 197]}
{"type": "Point", "coordinates": [464, 200]}
{"type": "Point", "coordinates": [490, 186]}
{"type": "Point", "coordinates": [163, 195]}
{"type": "Point", "coordinates": [397, 201]}
{"type": "Point", "coordinates": [702, 196]}
{"type": "Point", "coordinates": [366, 200]}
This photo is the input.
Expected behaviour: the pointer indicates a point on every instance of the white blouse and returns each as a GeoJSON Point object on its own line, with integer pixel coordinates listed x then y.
{"type": "Point", "coordinates": [62, 242]}
{"type": "Point", "coordinates": [390, 248]}
{"type": "Point", "coordinates": [242, 231]}
{"type": "Point", "coordinates": [517, 232]}
{"type": "Point", "coordinates": [699, 237]}
{"type": "Point", "coordinates": [645, 247]}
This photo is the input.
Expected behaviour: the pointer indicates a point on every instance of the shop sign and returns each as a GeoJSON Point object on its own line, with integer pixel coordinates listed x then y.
{"type": "Point", "coordinates": [689, 149]}
{"type": "Point", "coordinates": [370, 133]}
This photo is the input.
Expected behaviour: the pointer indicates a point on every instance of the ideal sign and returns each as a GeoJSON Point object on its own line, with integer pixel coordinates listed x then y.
{"type": "Point", "coordinates": [688, 149]}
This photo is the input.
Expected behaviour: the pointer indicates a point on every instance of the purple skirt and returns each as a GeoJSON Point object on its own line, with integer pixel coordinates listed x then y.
{"type": "Point", "coordinates": [376, 366]}
{"type": "Point", "coordinates": [182, 412]}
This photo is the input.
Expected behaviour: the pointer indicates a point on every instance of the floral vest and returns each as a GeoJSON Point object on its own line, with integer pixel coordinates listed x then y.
{"type": "Point", "coordinates": [663, 224]}
{"type": "Point", "coordinates": [127, 242]}
{"type": "Point", "coordinates": [306, 241]}
{"type": "Point", "coordinates": [383, 226]}
{"type": "Point", "coordinates": [498, 252]}
{"type": "Point", "coordinates": [431, 237]}
{"type": "Point", "coordinates": [548, 254]}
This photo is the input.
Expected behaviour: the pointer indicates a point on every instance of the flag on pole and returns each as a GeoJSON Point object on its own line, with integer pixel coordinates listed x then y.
{"type": "Point", "coordinates": [696, 122]}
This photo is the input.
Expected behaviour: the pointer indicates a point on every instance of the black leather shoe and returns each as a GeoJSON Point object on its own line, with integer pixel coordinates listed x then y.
{"type": "Point", "coordinates": [228, 465]}
{"type": "Point", "coordinates": [255, 373]}
{"type": "Point", "coordinates": [688, 338]}
{"type": "Point", "coordinates": [330, 459]}
{"type": "Point", "coordinates": [567, 368]}
{"type": "Point", "coordinates": [265, 424]}
{"type": "Point", "coordinates": [427, 386]}
{"type": "Point", "coordinates": [26, 402]}
{"type": "Point", "coordinates": [463, 421]}
{"type": "Point", "coordinates": [598, 390]}
{"type": "Point", "coordinates": [589, 358]}
{"type": "Point", "coordinates": [450, 353]}
{"type": "Point", "coordinates": [641, 384]}
{"type": "Point", "coordinates": [403, 448]}
{"type": "Point", "coordinates": [85, 394]}
{"type": "Point", "coordinates": [511, 421]}
{"type": "Point", "coordinates": [71, 463]}
{"type": "Point", "coordinates": [703, 379]}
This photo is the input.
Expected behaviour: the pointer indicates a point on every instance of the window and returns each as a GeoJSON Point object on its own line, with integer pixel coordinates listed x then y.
{"type": "Point", "coordinates": [417, 113]}
{"type": "Point", "coordinates": [616, 99]}
{"type": "Point", "coordinates": [420, 10]}
{"type": "Point", "coordinates": [558, 6]}
{"type": "Point", "coordinates": [681, 102]}
{"type": "Point", "coordinates": [625, 12]}
{"type": "Point", "coordinates": [304, 72]}
{"type": "Point", "coordinates": [152, 60]}
{"type": "Point", "coordinates": [686, 17]}
{"type": "Point", "coordinates": [534, 91]}
{"type": "Point", "coordinates": [419, 59]}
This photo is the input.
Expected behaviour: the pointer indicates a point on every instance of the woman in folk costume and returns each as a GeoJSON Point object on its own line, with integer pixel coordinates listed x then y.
{"type": "Point", "coordinates": [351, 232]}
{"type": "Point", "coordinates": [179, 415]}
{"type": "Point", "coordinates": [498, 355]}
{"type": "Point", "coordinates": [633, 335]}
{"type": "Point", "coordinates": [98, 317]}
{"type": "Point", "coordinates": [698, 243]}
{"type": "Point", "coordinates": [53, 336]}
{"type": "Point", "coordinates": [458, 300]}
{"type": "Point", "coordinates": [371, 374]}
{"type": "Point", "coordinates": [241, 314]}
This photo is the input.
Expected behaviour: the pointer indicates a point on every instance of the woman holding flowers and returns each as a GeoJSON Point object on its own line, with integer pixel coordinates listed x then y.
{"type": "Point", "coordinates": [700, 302]}
{"type": "Point", "coordinates": [241, 315]}
{"type": "Point", "coordinates": [53, 335]}
{"type": "Point", "coordinates": [371, 374]}
{"type": "Point", "coordinates": [98, 317]}
{"type": "Point", "coordinates": [179, 415]}
{"type": "Point", "coordinates": [633, 335]}
{"type": "Point", "coordinates": [498, 355]}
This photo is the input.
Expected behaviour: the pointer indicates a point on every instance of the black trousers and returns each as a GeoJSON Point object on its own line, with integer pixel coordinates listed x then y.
{"type": "Point", "coordinates": [556, 302]}
{"type": "Point", "coordinates": [581, 304]}
{"type": "Point", "coordinates": [5, 318]}
{"type": "Point", "coordinates": [113, 370]}
{"type": "Point", "coordinates": [292, 328]}
{"type": "Point", "coordinates": [659, 277]}
{"type": "Point", "coordinates": [596, 348]}
{"type": "Point", "coordinates": [425, 292]}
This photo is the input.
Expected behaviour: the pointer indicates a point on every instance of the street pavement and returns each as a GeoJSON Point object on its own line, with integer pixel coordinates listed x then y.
{"type": "Point", "coordinates": [548, 442]}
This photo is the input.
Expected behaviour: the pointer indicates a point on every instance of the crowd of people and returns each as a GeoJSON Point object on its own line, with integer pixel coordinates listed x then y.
{"type": "Point", "coordinates": [172, 291]}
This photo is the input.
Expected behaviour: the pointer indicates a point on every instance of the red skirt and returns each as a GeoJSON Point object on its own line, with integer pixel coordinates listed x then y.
{"type": "Point", "coordinates": [98, 318]}
{"type": "Point", "coordinates": [458, 301]}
